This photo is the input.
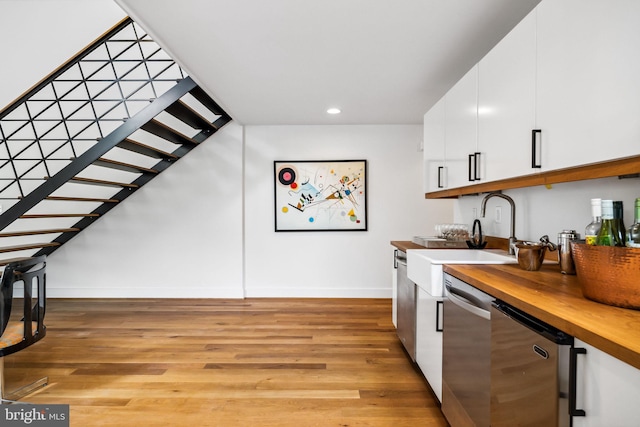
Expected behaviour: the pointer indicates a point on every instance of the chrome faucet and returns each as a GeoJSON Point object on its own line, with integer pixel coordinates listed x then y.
{"type": "Point", "coordinates": [483, 208]}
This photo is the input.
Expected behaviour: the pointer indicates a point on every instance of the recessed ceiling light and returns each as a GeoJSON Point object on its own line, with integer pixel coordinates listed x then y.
{"type": "Point", "coordinates": [333, 111]}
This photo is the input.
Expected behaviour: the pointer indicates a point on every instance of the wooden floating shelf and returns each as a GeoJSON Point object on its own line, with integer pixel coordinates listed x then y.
{"type": "Point", "coordinates": [628, 166]}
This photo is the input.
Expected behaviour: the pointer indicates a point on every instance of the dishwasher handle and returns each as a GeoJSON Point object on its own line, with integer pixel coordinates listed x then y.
{"type": "Point", "coordinates": [467, 302]}
{"type": "Point", "coordinates": [536, 325]}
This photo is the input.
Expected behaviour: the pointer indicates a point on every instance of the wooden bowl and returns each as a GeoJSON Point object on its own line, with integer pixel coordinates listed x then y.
{"type": "Point", "coordinates": [609, 275]}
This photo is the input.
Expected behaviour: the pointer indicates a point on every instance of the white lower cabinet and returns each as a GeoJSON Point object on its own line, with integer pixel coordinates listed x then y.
{"type": "Point", "coordinates": [429, 339]}
{"type": "Point", "coordinates": [608, 390]}
{"type": "Point", "coordinates": [394, 289]}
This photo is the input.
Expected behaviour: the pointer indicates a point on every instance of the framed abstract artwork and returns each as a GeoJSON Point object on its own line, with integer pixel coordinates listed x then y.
{"type": "Point", "coordinates": [320, 195]}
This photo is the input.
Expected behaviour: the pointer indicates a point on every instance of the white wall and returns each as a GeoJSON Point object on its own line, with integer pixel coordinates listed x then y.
{"type": "Point", "coordinates": [178, 236]}
{"type": "Point", "coordinates": [182, 234]}
{"type": "Point", "coordinates": [344, 264]}
{"type": "Point", "coordinates": [541, 210]}
{"type": "Point", "coordinates": [40, 35]}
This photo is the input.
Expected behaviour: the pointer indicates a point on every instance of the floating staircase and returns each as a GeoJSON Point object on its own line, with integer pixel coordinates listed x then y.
{"type": "Point", "coordinates": [92, 133]}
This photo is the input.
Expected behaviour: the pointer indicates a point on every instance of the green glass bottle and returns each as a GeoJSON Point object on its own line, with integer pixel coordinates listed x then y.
{"type": "Point", "coordinates": [606, 235]}
{"type": "Point", "coordinates": [618, 224]}
{"type": "Point", "coordinates": [633, 234]}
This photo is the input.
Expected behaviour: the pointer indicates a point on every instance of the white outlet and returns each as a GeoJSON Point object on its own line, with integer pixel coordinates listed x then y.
{"type": "Point", "coordinates": [475, 213]}
{"type": "Point", "coordinates": [498, 217]}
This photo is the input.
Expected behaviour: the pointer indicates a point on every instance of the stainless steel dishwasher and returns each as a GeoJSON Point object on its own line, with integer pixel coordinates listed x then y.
{"type": "Point", "coordinates": [531, 371]}
{"type": "Point", "coordinates": [466, 355]}
{"type": "Point", "coordinates": [406, 328]}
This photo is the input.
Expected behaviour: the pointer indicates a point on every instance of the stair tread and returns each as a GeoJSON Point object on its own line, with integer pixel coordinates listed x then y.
{"type": "Point", "coordinates": [144, 149]}
{"type": "Point", "coordinates": [163, 131]}
{"type": "Point", "coordinates": [122, 166]}
{"type": "Point", "coordinates": [188, 115]}
{"type": "Point", "coordinates": [102, 182]}
{"type": "Point", "coordinates": [206, 100]}
{"type": "Point", "coordinates": [27, 247]}
{"type": "Point", "coordinates": [59, 215]}
{"type": "Point", "coordinates": [4, 262]}
{"type": "Point", "coordinates": [81, 199]}
{"type": "Point", "coordinates": [36, 232]}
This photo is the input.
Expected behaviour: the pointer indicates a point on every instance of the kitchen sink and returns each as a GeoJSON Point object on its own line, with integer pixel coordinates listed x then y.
{"type": "Point", "coordinates": [424, 266]}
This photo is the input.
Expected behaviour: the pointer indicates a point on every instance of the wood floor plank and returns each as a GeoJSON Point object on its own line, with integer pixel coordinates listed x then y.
{"type": "Point", "coordinates": [226, 363]}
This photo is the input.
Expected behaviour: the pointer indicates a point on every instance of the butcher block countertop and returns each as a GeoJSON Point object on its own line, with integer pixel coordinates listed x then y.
{"type": "Point", "coordinates": [404, 245]}
{"type": "Point", "coordinates": [556, 298]}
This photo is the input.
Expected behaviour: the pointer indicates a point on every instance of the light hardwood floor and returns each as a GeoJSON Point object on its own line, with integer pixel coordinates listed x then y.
{"type": "Point", "coordinates": [253, 362]}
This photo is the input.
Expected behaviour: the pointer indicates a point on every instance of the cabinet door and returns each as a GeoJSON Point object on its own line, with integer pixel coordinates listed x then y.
{"type": "Point", "coordinates": [506, 97]}
{"type": "Point", "coordinates": [433, 148]}
{"type": "Point", "coordinates": [588, 80]}
{"type": "Point", "coordinates": [394, 289]}
{"type": "Point", "coordinates": [461, 128]}
{"type": "Point", "coordinates": [608, 390]}
{"type": "Point", "coordinates": [429, 339]}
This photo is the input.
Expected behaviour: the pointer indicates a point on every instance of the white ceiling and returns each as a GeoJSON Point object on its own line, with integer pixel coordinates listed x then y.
{"type": "Point", "coordinates": [287, 61]}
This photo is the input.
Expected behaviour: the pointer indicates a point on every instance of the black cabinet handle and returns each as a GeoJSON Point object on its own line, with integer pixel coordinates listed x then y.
{"type": "Point", "coordinates": [573, 378]}
{"type": "Point", "coordinates": [440, 169]}
{"type": "Point", "coordinates": [439, 305]}
{"type": "Point", "coordinates": [476, 172]}
{"type": "Point", "coordinates": [535, 139]}
{"type": "Point", "coordinates": [472, 162]}
{"type": "Point", "coordinates": [395, 259]}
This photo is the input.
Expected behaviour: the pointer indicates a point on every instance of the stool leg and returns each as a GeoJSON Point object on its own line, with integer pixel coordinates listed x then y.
{"type": "Point", "coordinates": [22, 391]}
{"type": "Point", "coordinates": [1, 380]}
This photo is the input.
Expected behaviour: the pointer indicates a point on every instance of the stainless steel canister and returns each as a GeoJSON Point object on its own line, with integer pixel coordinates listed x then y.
{"type": "Point", "coordinates": [565, 258]}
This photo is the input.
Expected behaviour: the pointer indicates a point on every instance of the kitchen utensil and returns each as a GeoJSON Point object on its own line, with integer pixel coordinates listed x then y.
{"type": "Point", "coordinates": [530, 255]}
{"type": "Point", "coordinates": [545, 240]}
{"type": "Point", "coordinates": [565, 257]}
{"type": "Point", "coordinates": [475, 241]}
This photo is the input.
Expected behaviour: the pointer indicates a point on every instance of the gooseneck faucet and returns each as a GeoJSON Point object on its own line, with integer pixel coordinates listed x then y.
{"type": "Point", "coordinates": [512, 237]}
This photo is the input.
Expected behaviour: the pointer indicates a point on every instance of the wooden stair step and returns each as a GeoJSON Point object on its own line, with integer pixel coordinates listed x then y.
{"type": "Point", "coordinates": [81, 199]}
{"type": "Point", "coordinates": [145, 150]}
{"type": "Point", "coordinates": [101, 182]}
{"type": "Point", "coordinates": [4, 262]}
{"type": "Point", "coordinates": [37, 232]}
{"type": "Point", "coordinates": [185, 113]}
{"type": "Point", "coordinates": [60, 215]}
{"type": "Point", "coordinates": [127, 167]}
{"type": "Point", "coordinates": [28, 247]}
{"type": "Point", "coordinates": [165, 132]}
{"type": "Point", "coordinates": [206, 100]}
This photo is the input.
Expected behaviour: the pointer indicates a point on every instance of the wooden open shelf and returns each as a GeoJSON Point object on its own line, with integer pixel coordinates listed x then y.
{"type": "Point", "coordinates": [619, 167]}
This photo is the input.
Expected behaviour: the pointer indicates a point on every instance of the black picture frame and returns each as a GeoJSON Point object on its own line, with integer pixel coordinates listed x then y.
{"type": "Point", "coordinates": [320, 195]}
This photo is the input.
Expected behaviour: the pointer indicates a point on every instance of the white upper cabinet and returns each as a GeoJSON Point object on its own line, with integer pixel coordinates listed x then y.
{"type": "Point", "coordinates": [450, 136]}
{"type": "Point", "coordinates": [461, 130]}
{"type": "Point", "coordinates": [588, 91]}
{"type": "Point", "coordinates": [433, 147]}
{"type": "Point", "coordinates": [506, 110]}
{"type": "Point", "coordinates": [568, 74]}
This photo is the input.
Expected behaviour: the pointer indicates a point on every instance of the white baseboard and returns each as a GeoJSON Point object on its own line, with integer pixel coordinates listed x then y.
{"type": "Point", "coordinates": [316, 293]}
{"type": "Point", "coordinates": [145, 292]}
{"type": "Point", "coordinates": [231, 293]}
